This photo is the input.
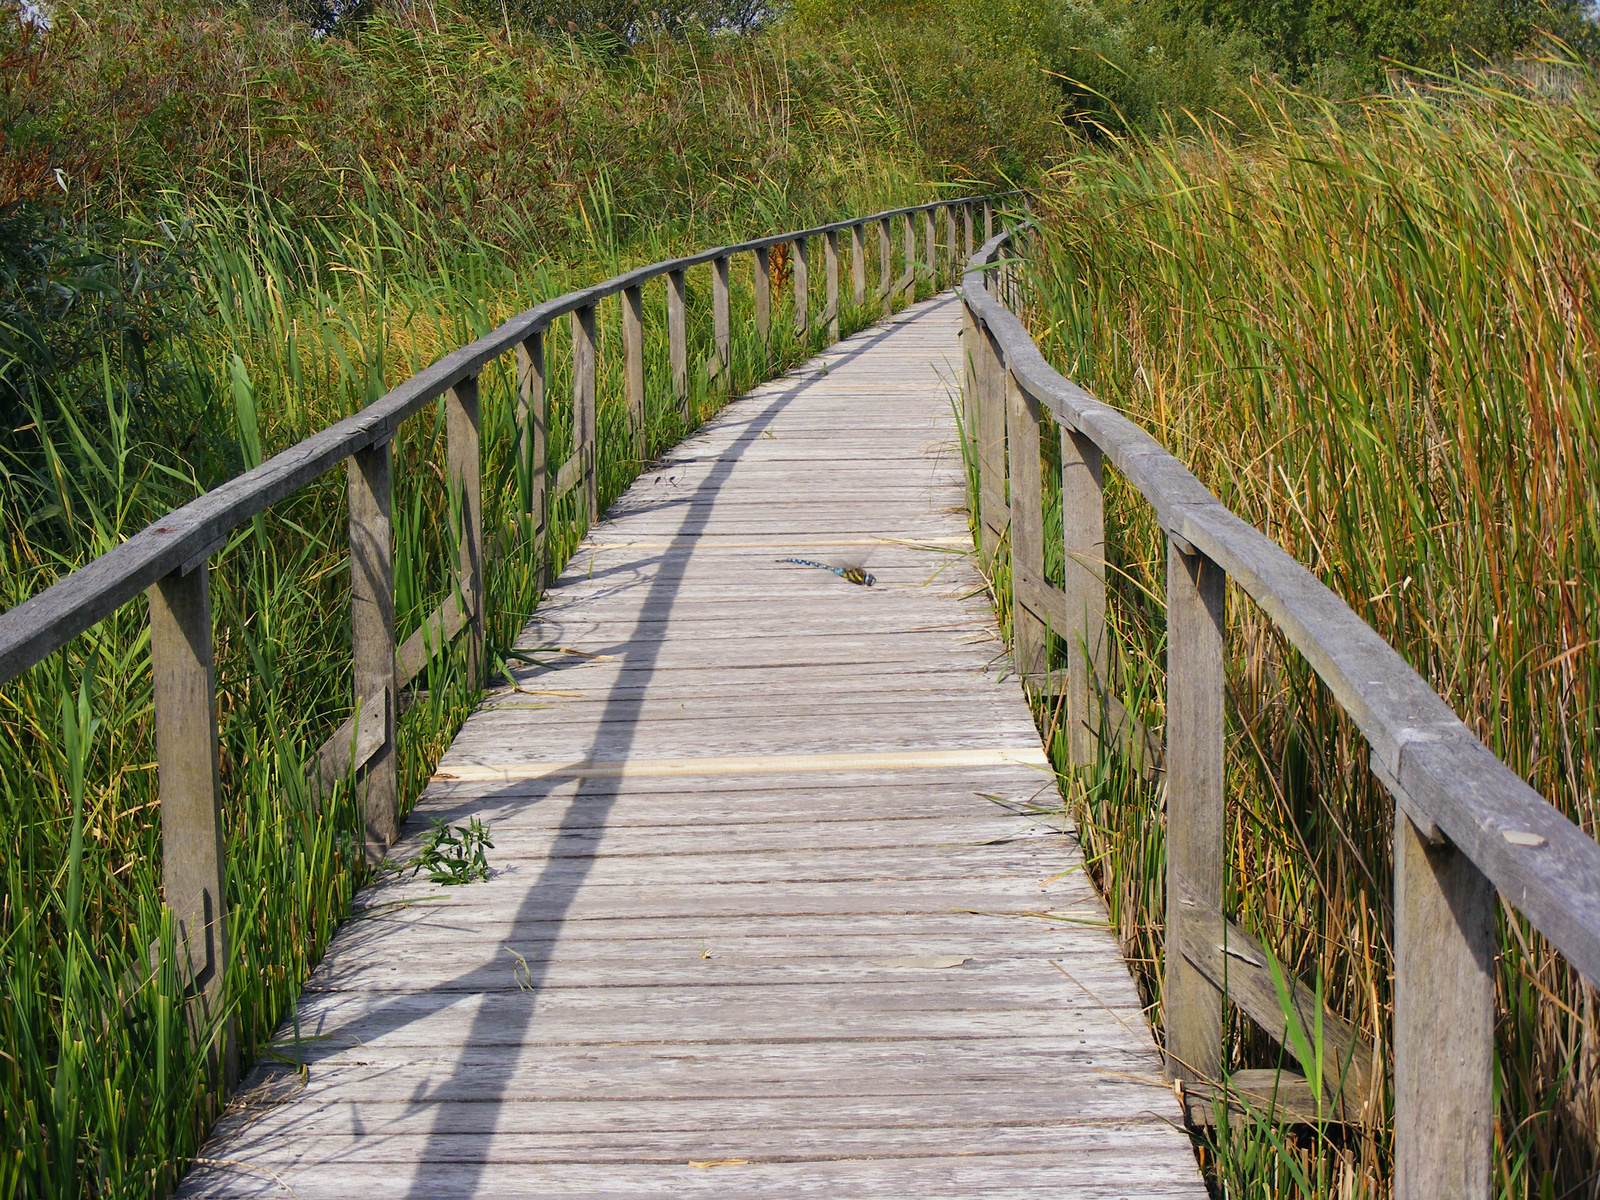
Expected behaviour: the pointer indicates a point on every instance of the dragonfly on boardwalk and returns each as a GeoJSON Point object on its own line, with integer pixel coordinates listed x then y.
{"type": "Point", "coordinates": [856, 575]}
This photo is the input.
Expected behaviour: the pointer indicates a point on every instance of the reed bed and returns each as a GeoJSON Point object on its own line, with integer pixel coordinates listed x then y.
{"type": "Point", "coordinates": [1368, 330]}
{"type": "Point", "coordinates": [297, 323]}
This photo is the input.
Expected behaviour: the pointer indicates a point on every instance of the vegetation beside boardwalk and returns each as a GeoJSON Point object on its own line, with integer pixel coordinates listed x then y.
{"type": "Point", "coordinates": [1370, 331]}
{"type": "Point", "coordinates": [223, 226]}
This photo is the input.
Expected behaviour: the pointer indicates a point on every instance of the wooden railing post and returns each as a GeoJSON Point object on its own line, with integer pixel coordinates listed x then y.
{"type": "Point", "coordinates": [722, 328]}
{"type": "Point", "coordinates": [193, 868]}
{"type": "Point", "coordinates": [372, 637]}
{"type": "Point", "coordinates": [763, 280]}
{"type": "Point", "coordinates": [993, 513]}
{"type": "Point", "coordinates": [585, 364]}
{"type": "Point", "coordinates": [533, 437]}
{"type": "Point", "coordinates": [831, 255]}
{"type": "Point", "coordinates": [1191, 1005]}
{"type": "Point", "coordinates": [951, 244]}
{"type": "Point", "coordinates": [1030, 634]}
{"type": "Point", "coordinates": [930, 247]}
{"type": "Point", "coordinates": [858, 264]}
{"type": "Point", "coordinates": [988, 220]}
{"type": "Point", "coordinates": [886, 267]}
{"type": "Point", "coordinates": [466, 482]}
{"type": "Point", "coordinates": [677, 341]}
{"type": "Point", "coordinates": [633, 363]}
{"type": "Point", "coordinates": [802, 287]}
{"type": "Point", "coordinates": [966, 221]}
{"type": "Point", "coordinates": [908, 277]}
{"type": "Point", "coordinates": [1083, 532]}
{"type": "Point", "coordinates": [1443, 1020]}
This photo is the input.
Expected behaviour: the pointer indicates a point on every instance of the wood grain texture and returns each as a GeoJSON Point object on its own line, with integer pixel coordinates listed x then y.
{"type": "Point", "coordinates": [809, 907]}
{"type": "Point", "coordinates": [372, 643]}
{"type": "Point", "coordinates": [465, 478]}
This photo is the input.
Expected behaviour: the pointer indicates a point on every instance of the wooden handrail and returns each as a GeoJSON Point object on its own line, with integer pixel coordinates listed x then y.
{"type": "Point", "coordinates": [169, 558]}
{"type": "Point", "coordinates": [1466, 824]}
{"type": "Point", "coordinates": [44, 623]}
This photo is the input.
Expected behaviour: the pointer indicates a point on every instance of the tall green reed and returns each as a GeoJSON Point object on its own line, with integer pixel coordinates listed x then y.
{"type": "Point", "coordinates": [1368, 331]}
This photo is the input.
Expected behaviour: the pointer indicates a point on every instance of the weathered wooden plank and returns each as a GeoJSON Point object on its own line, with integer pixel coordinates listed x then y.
{"type": "Point", "coordinates": [372, 650]}
{"type": "Point", "coordinates": [1030, 628]}
{"type": "Point", "coordinates": [633, 364]}
{"type": "Point", "coordinates": [193, 871]}
{"type": "Point", "coordinates": [465, 478]}
{"type": "Point", "coordinates": [722, 329]}
{"type": "Point", "coordinates": [1191, 1004]}
{"type": "Point", "coordinates": [1444, 973]}
{"type": "Point", "coordinates": [828, 958]}
{"type": "Point", "coordinates": [677, 340]}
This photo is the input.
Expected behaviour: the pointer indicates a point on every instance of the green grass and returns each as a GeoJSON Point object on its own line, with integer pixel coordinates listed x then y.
{"type": "Point", "coordinates": [1369, 332]}
{"type": "Point", "coordinates": [293, 323]}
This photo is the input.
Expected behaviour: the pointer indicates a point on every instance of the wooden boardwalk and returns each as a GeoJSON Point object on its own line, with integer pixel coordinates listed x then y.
{"type": "Point", "coordinates": [770, 916]}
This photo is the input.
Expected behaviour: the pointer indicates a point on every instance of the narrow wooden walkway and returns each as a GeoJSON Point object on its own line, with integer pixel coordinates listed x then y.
{"type": "Point", "coordinates": [769, 916]}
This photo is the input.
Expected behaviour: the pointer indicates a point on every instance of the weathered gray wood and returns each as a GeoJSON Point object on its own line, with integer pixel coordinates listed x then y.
{"type": "Point", "coordinates": [1259, 1095]}
{"type": "Point", "coordinates": [722, 329]}
{"type": "Point", "coordinates": [885, 268]}
{"type": "Point", "coordinates": [633, 364]}
{"type": "Point", "coordinates": [1438, 771]}
{"type": "Point", "coordinates": [952, 246]}
{"type": "Point", "coordinates": [437, 631]}
{"type": "Point", "coordinates": [45, 622]}
{"type": "Point", "coordinates": [930, 247]}
{"type": "Point", "coordinates": [802, 286]}
{"type": "Point", "coordinates": [763, 290]}
{"type": "Point", "coordinates": [1191, 1005]}
{"type": "Point", "coordinates": [1030, 629]}
{"type": "Point", "coordinates": [831, 313]}
{"type": "Point", "coordinates": [372, 640]}
{"type": "Point", "coordinates": [360, 736]}
{"type": "Point", "coordinates": [465, 478]}
{"type": "Point", "coordinates": [1443, 1020]}
{"type": "Point", "coordinates": [677, 341]}
{"type": "Point", "coordinates": [585, 367]}
{"type": "Point", "coordinates": [993, 514]}
{"type": "Point", "coordinates": [908, 276]}
{"type": "Point", "coordinates": [988, 220]}
{"type": "Point", "coordinates": [1237, 965]}
{"type": "Point", "coordinates": [966, 221]}
{"type": "Point", "coordinates": [1083, 530]}
{"type": "Point", "coordinates": [661, 959]}
{"type": "Point", "coordinates": [193, 872]}
{"type": "Point", "coordinates": [858, 264]}
{"type": "Point", "coordinates": [533, 433]}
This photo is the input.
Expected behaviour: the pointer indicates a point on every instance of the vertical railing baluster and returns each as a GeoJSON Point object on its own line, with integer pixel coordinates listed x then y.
{"type": "Point", "coordinates": [677, 341]}
{"type": "Point", "coordinates": [533, 439]}
{"type": "Point", "coordinates": [1191, 1006]}
{"type": "Point", "coordinates": [858, 264]}
{"type": "Point", "coordinates": [465, 476]}
{"type": "Point", "coordinates": [802, 287]}
{"type": "Point", "coordinates": [993, 513]}
{"type": "Point", "coordinates": [193, 867]}
{"type": "Point", "coordinates": [988, 220]}
{"type": "Point", "coordinates": [831, 254]}
{"type": "Point", "coordinates": [722, 327]}
{"type": "Point", "coordinates": [633, 364]}
{"type": "Point", "coordinates": [929, 244]}
{"type": "Point", "coordinates": [1030, 634]}
{"type": "Point", "coordinates": [585, 366]}
{"type": "Point", "coordinates": [886, 267]}
{"type": "Point", "coordinates": [951, 243]}
{"type": "Point", "coordinates": [372, 636]}
{"type": "Point", "coordinates": [1083, 534]}
{"type": "Point", "coordinates": [966, 222]}
{"type": "Point", "coordinates": [908, 239]}
{"type": "Point", "coordinates": [1443, 1020]}
{"type": "Point", "coordinates": [763, 289]}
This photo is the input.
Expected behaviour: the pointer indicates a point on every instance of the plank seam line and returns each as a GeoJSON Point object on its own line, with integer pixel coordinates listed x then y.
{"type": "Point", "coordinates": [907, 760]}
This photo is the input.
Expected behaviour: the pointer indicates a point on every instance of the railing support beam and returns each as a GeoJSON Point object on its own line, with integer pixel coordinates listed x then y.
{"type": "Point", "coordinates": [465, 476]}
{"type": "Point", "coordinates": [831, 257]}
{"type": "Point", "coordinates": [633, 364]}
{"type": "Point", "coordinates": [1191, 1004]}
{"type": "Point", "coordinates": [193, 871]}
{"type": "Point", "coordinates": [678, 342]}
{"type": "Point", "coordinates": [1083, 534]}
{"type": "Point", "coordinates": [1443, 1020]}
{"type": "Point", "coordinates": [722, 326]}
{"type": "Point", "coordinates": [372, 636]}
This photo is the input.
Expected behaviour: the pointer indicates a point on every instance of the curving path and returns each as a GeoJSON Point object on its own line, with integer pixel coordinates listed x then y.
{"type": "Point", "coordinates": [771, 914]}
